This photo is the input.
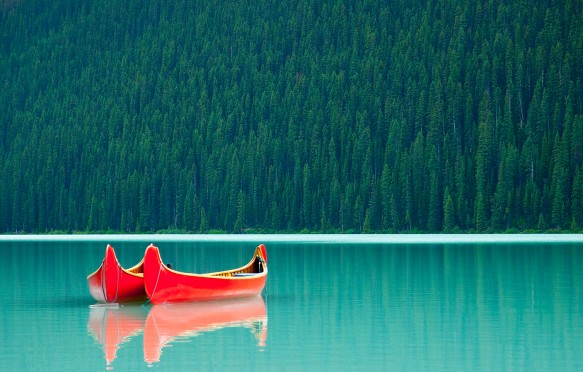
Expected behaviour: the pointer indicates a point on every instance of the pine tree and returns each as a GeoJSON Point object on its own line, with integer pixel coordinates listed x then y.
{"type": "Point", "coordinates": [577, 199]}
{"type": "Point", "coordinates": [483, 156]}
{"type": "Point", "coordinates": [240, 221]}
{"type": "Point", "coordinates": [558, 181]}
{"type": "Point", "coordinates": [448, 213]}
{"type": "Point", "coordinates": [204, 224]}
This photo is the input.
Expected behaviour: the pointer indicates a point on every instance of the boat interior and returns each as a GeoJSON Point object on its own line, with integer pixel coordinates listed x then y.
{"type": "Point", "coordinates": [138, 269]}
{"type": "Point", "coordinates": [256, 266]}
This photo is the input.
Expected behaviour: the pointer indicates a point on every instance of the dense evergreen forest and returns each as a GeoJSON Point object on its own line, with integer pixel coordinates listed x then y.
{"type": "Point", "coordinates": [292, 115]}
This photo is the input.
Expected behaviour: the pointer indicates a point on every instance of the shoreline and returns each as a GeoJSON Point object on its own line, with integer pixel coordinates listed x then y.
{"type": "Point", "coordinates": [311, 238]}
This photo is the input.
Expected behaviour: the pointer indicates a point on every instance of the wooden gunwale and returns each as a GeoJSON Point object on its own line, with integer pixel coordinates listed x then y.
{"type": "Point", "coordinates": [226, 274]}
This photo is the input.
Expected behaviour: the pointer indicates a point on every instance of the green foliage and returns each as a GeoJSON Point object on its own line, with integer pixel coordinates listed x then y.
{"type": "Point", "coordinates": [291, 116]}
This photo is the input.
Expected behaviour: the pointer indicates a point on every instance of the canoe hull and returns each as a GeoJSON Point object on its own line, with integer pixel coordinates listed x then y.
{"type": "Point", "coordinates": [163, 284]}
{"type": "Point", "coordinates": [112, 283]}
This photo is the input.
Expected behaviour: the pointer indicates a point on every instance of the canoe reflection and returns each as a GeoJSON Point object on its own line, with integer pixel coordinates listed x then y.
{"type": "Point", "coordinates": [111, 327]}
{"type": "Point", "coordinates": [169, 322]}
{"type": "Point", "coordinates": [166, 323]}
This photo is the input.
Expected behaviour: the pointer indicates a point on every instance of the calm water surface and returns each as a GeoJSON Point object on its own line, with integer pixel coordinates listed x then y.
{"type": "Point", "coordinates": [325, 307]}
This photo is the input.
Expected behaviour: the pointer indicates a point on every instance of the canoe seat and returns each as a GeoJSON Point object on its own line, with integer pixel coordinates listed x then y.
{"type": "Point", "coordinates": [244, 274]}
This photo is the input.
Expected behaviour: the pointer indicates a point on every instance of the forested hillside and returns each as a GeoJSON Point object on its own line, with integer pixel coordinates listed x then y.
{"type": "Point", "coordinates": [317, 115]}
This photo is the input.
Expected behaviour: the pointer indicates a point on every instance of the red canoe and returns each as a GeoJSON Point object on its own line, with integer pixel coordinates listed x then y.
{"type": "Point", "coordinates": [172, 322]}
{"type": "Point", "coordinates": [163, 284]}
{"type": "Point", "coordinates": [113, 283]}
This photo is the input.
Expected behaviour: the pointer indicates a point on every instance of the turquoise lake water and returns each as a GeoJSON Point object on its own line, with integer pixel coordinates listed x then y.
{"type": "Point", "coordinates": [370, 305]}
